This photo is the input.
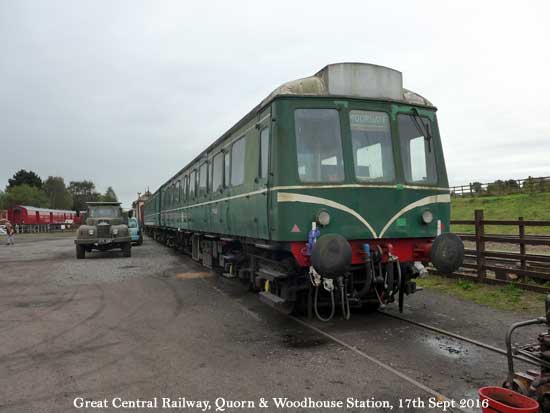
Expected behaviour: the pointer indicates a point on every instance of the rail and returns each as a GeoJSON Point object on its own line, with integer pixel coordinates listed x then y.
{"type": "Point", "coordinates": [518, 267]}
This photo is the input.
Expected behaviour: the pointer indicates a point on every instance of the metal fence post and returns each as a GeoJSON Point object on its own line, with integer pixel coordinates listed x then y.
{"type": "Point", "coordinates": [480, 243]}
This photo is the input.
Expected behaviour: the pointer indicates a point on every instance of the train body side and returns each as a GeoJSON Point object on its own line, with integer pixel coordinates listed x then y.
{"type": "Point", "coordinates": [280, 207]}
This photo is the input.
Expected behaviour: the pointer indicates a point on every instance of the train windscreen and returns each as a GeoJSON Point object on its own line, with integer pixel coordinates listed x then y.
{"type": "Point", "coordinates": [372, 146]}
{"type": "Point", "coordinates": [319, 145]}
{"type": "Point", "coordinates": [417, 149]}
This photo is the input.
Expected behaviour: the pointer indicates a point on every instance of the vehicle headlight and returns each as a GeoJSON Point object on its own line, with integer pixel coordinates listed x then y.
{"type": "Point", "coordinates": [115, 231]}
{"type": "Point", "coordinates": [323, 218]}
{"type": "Point", "coordinates": [90, 232]}
{"type": "Point", "coordinates": [427, 217]}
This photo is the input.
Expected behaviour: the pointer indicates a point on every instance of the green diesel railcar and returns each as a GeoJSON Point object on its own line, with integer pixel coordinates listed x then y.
{"type": "Point", "coordinates": [332, 190]}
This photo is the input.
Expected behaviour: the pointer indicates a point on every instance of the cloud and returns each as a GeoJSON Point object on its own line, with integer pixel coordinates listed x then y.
{"type": "Point", "coordinates": [125, 93]}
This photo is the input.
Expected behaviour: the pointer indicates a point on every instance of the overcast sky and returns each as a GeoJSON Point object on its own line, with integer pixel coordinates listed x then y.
{"type": "Point", "coordinates": [125, 93]}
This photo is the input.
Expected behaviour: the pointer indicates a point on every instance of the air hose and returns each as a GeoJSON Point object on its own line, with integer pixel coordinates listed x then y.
{"type": "Point", "coordinates": [368, 281]}
{"type": "Point", "coordinates": [344, 298]}
{"type": "Point", "coordinates": [316, 307]}
{"type": "Point", "coordinates": [399, 275]}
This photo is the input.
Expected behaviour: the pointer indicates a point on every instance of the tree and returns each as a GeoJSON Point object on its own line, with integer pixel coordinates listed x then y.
{"type": "Point", "coordinates": [497, 187]}
{"type": "Point", "coordinates": [82, 192]}
{"type": "Point", "coordinates": [22, 177]}
{"type": "Point", "coordinates": [58, 195]}
{"type": "Point", "coordinates": [3, 200]}
{"type": "Point", "coordinates": [25, 195]}
{"type": "Point", "coordinates": [477, 187]}
{"type": "Point", "coordinates": [110, 195]}
{"type": "Point", "coordinates": [511, 186]}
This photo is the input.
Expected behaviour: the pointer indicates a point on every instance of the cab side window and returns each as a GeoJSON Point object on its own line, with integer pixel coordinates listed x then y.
{"type": "Point", "coordinates": [217, 172]}
{"type": "Point", "coordinates": [227, 166]}
{"type": "Point", "coordinates": [264, 152]}
{"type": "Point", "coordinates": [237, 162]}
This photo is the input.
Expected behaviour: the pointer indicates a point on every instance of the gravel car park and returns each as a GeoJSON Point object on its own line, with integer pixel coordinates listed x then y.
{"type": "Point", "coordinates": [157, 324]}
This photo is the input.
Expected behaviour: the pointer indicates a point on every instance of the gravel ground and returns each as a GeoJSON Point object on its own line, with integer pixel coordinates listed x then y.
{"type": "Point", "coordinates": [159, 325]}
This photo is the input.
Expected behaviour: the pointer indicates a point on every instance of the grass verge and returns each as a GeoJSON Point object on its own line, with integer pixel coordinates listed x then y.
{"type": "Point", "coordinates": [508, 207]}
{"type": "Point", "coordinates": [509, 297]}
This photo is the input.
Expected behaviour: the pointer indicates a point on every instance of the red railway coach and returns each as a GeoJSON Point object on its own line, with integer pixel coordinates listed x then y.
{"type": "Point", "coordinates": [28, 215]}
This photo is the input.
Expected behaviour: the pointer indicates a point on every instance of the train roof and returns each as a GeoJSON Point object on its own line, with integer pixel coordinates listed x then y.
{"type": "Point", "coordinates": [36, 209]}
{"type": "Point", "coordinates": [97, 203]}
{"type": "Point", "coordinates": [344, 80]}
{"type": "Point", "coordinates": [359, 80]}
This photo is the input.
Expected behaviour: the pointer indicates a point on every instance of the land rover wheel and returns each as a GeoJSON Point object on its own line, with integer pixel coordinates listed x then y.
{"type": "Point", "coordinates": [140, 240]}
{"type": "Point", "coordinates": [80, 252]}
{"type": "Point", "coordinates": [127, 249]}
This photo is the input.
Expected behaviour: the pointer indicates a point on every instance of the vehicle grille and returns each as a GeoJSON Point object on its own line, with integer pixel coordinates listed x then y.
{"type": "Point", "coordinates": [103, 231]}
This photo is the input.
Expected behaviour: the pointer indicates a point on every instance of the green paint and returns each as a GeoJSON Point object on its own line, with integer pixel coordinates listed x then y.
{"type": "Point", "coordinates": [401, 222]}
{"type": "Point", "coordinates": [260, 216]}
{"type": "Point", "coordinates": [341, 103]}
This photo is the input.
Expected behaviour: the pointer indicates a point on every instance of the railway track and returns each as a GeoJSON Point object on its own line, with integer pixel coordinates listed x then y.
{"type": "Point", "coordinates": [456, 336]}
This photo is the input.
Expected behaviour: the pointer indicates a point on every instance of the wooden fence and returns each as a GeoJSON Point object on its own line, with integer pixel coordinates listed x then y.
{"type": "Point", "coordinates": [510, 186]}
{"type": "Point", "coordinates": [497, 265]}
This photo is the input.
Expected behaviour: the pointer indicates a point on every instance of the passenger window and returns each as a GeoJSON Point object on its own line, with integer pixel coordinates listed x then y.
{"type": "Point", "coordinates": [372, 146]}
{"type": "Point", "coordinates": [417, 150]}
{"type": "Point", "coordinates": [192, 184]}
{"type": "Point", "coordinates": [203, 177]}
{"type": "Point", "coordinates": [237, 162]}
{"type": "Point", "coordinates": [227, 163]}
{"type": "Point", "coordinates": [217, 172]}
{"type": "Point", "coordinates": [184, 189]}
{"type": "Point", "coordinates": [264, 152]}
{"type": "Point", "coordinates": [211, 175]}
{"type": "Point", "coordinates": [319, 145]}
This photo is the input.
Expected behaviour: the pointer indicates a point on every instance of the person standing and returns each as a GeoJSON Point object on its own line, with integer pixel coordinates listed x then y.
{"type": "Point", "coordinates": [11, 234]}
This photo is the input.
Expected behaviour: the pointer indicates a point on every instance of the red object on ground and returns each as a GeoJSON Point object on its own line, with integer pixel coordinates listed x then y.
{"type": "Point", "coordinates": [502, 400]}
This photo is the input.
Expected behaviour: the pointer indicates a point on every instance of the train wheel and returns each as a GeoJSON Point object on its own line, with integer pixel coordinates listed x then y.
{"type": "Point", "coordinates": [80, 252]}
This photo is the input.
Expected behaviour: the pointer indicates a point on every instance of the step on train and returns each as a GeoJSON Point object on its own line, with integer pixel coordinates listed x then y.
{"type": "Point", "coordinates": [330, 195]}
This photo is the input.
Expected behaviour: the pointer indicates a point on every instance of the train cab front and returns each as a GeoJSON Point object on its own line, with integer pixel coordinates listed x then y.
{"type": "Point", "coordinates": [371, 274]}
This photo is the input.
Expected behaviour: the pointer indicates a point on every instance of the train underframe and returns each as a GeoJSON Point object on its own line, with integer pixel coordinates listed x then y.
{"type": "Point", "coordinates": [281, 272]}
